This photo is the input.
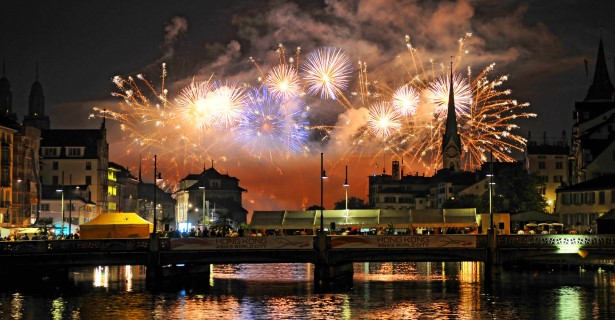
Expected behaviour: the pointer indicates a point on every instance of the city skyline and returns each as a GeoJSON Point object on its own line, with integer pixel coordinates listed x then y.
{"type": "Point", "coordinates": [542, 56]}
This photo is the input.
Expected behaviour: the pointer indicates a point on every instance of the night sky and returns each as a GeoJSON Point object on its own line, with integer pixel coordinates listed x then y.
{"type": "Point", "coordinates": [80, 46]}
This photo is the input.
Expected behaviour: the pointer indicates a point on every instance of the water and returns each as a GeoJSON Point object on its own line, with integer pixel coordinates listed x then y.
{"type": "Point", "coordinates": [284, 291]}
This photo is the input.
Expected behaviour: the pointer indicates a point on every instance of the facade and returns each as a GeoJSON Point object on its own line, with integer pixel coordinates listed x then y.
{"type": "Point", "coordinates": [398, 192]}
{"type": "Point", "coordinates": [76, 208]}
{"type": "Point", "coordinates": [593, 133]}
{"type": "Point", "coordinates": [592, 190]}
{"type": "Point", "coordinates": [581, 204]}
{"type": "Point", "coordinates": [164, 203]}
{"type": "Point", "coordinates": [122, 189]}
{"type": "Point", "coordinates": [549, 160]}
{"type": "Point", "coordinates": [81, 155]}
{"type": "Point", "coordinates": [26, 185]}
{"type": "Point", "coordinates": [209, 198]}
{"type": "Point", "coordinates": [20, 159]}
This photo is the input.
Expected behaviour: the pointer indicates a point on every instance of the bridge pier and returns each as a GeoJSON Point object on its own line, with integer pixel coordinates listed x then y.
{"type": "Point", "coordinates": [329, 276]}
{"type": "Point", "coordinates": [154, 272]}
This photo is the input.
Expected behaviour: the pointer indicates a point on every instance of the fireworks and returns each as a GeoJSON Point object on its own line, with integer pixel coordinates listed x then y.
{"type": "Point", "coordinates": [486, 116]}
{"type": "Point", "coordinates": [406, 100]}
{"type": "Point", "coordinates": [224, 119]}
{"type": "Point", "coordinates": [272, 126]}
{"type": "Point", "coordinates": [327, 72]}
{"type": "Point", "coordinates": [383, 120]}
{"type": "Point", "coordinates": [283, 82]}
{"type": "Point", "coordinates": [439, 93]}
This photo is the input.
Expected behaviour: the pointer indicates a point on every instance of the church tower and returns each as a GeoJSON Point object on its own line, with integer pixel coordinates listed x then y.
{"type": "Point", "coordinates": [592, 131]}
{"type": "Point", "coordinates": [36, 108]}
{"type": "Point", "coordinates": [6, 96]}
{"type": "Point", "coordinates": [451, 142]}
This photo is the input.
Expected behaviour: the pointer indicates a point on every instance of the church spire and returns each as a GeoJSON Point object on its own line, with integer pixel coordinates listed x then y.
{"type": "Point", "coordinates": [451, 142]}
{"type": "Point", "coordinates": [601, 87]}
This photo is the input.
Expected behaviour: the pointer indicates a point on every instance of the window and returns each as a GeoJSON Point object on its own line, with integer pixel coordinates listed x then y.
{"type": "Point", "coordinates": [111, 190]}
{"type": "Point", "coordinates": [74, 152]}
{"type": "Point", "coordinates": [88, 165]}
{"type": "Point", "coordinates": [50, 152]}
{"type": "Point", "coordinates": [55, 181]}
{"type": "Point", "coordinates": [541, 165]}
{"type": "Point", "coordinates": [601, 197]}
{"type": "Point", "coordinates": [88, 180]}
{"type": "Point", "coordinates": [390, 199]}
{"type": "Point", "coordinates": [559, 165]}
{"type": "Point", "coordinates": [44, 206]}
{"type": "Point", "coordinates": [55, 165]}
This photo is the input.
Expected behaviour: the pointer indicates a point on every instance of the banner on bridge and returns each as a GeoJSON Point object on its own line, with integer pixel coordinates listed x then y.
{"type": "Point", "coordinates": [403, 242]}
{"type": "Point", "coordinates": [244, 243]}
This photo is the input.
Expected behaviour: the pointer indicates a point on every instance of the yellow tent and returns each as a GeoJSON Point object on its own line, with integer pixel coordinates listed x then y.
{"type": "Point", "coordinates": [116, 225]}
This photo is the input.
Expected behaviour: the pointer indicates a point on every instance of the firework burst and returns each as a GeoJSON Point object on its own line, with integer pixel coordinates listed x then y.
{"type": "Point", "coordinates": [283, 82]}
{"type": "Point", "coordinates": [383, 120]}
{"type": "Point", "coordinates": [327, 72]}
{"type": "Point", "coordinates": [271, 126]}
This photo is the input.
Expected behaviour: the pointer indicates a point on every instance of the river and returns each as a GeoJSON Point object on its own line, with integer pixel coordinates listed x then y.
{"type": "Point", "coordinates": [419, 290]}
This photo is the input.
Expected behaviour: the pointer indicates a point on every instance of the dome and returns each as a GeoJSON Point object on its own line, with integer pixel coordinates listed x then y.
{"type": "Point", "coordinates": [37, 89]}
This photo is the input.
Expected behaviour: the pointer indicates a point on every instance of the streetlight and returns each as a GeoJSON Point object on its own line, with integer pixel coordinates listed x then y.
{"type": "Point", "coordinates": [61, 189]}
{"type": "Point", "coordinates": [491, 183]}
{"type": "Point", "coordinates": [346, 187]}
{"type": "Point", "coordinates": [70, 203]}
{"type": "Point", "coordinates": [155, 176]}
{"type": "Point", "coordinates": [204, 212]}
{"type": "Point", "coordinates": [323, 176]}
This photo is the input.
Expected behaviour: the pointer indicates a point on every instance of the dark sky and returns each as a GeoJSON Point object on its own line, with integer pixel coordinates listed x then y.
{"type": "Point", "coordinates": [81, 45]}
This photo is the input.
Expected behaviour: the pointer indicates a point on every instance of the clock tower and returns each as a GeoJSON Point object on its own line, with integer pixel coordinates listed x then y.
{"type": "Point", "coordinates": [451, 142]}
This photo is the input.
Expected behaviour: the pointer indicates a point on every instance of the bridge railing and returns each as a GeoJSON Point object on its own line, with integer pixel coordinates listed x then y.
{"type": "Point", "coordinates": [49, 246]}
{"type": "Point", "coordinates": [555, 240]}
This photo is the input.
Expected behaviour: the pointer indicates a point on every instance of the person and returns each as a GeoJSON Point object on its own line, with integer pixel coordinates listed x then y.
{"type": "Point", "coordinates": [520, 232]}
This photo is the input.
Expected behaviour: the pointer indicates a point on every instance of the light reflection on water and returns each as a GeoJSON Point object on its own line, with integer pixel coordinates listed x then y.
{"type": "Point", "coordinates": [285, 291]}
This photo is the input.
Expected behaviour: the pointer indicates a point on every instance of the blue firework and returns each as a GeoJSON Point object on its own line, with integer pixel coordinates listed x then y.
{"type": "Point", "coordinates": [271, 126]}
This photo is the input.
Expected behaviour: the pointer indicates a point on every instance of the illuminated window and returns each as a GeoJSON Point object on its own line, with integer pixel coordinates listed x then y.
{"type": "Point", "coordinates": [112, 191]}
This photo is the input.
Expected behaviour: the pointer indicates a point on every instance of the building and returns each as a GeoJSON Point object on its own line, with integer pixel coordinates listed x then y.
{"type": "Point", "coordinates": [20, 158]}
{"type": "Point", "coordinates": [80, 156]}
{"type": "Point", "coordinates": [122, 189]}
{"type": "Point", "coordinates": [397, 191]}
{"type": "Point", "coordinates": [451, 141]}
{"type": "Point", "coordinates": [549, 160]}
{"type": "Point", "coordinates": [209, 198]}
{"type": "Point", "coordinates": [593, 133]}
{"type": "Point", "coordinates": [67, 203]}
{"type": "Point", "coordinates": [579, 205]}
{"type": "Point", "coordinates": [152, 195]}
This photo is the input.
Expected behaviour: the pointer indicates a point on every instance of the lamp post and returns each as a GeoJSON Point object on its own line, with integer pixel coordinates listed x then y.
{"type": "Point", "coordinates": [155, 176]}
{"type": "Point", "coordinates": [491, 183]}
{"type": "Point", "coordinates": [323, 176]}
{"type": "Point", "coordinates": [70, 203]}
{"type": "Point", "coordinates": [61, 189]}
{"type": "Point", "coordinates": [204, 212]}
{"type": "Point", "coordinates": [346, 187]}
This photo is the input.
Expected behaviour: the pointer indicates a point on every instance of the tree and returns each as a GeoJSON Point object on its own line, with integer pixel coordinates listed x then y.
{"type": "Point", "coordinates": [353, 203]}
{"type": "Point", "coordinates": [465, 201]}
{"type": "Point", "coordinates": [516, 190]}
{"type": "Point", "coordinates": [315, 207]}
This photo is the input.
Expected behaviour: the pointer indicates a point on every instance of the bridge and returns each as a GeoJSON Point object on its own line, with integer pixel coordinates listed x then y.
{"type": "Point", "coordinates": [332, 256]}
